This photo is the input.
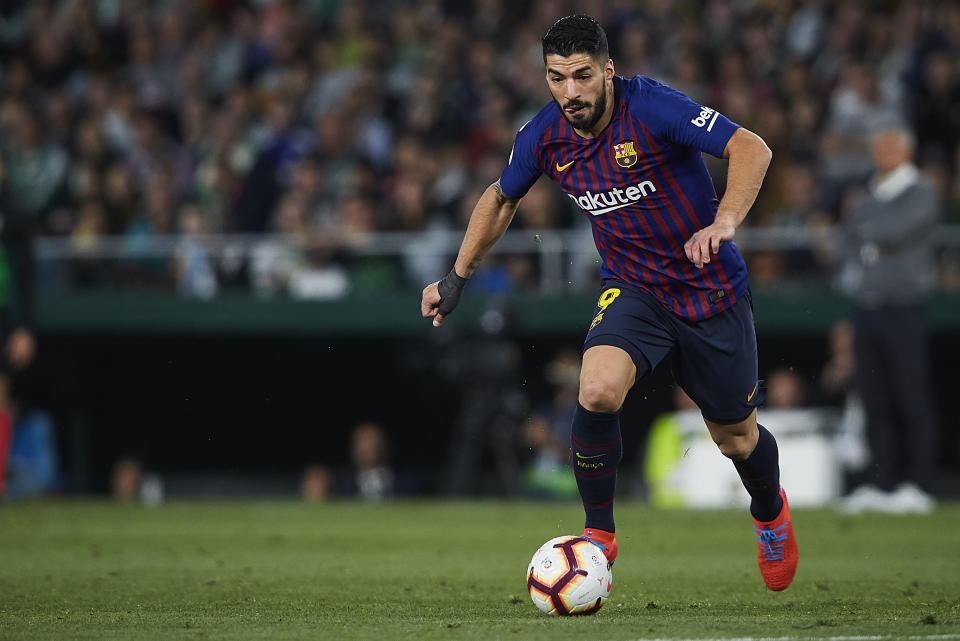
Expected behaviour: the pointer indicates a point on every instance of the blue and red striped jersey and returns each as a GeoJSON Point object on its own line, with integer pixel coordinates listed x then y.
{"type": "Point", "coordinates": [645, 188]}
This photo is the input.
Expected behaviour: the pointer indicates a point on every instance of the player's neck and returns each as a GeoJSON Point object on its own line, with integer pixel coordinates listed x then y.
{"type": "Point", "coordinates": [597, 129]}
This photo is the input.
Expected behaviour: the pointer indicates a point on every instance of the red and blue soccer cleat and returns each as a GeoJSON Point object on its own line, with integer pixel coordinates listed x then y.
{"type": "Point", "coordinates": [777, 548]}
{"type": "Point", "coordinates": [606, 541]}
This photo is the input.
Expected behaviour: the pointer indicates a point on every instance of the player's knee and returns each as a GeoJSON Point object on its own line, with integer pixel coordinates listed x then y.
{"type": "Point", "coordinates": [734, 446]}
{"type": "Point", "coordinates": [598, 395]}
{"type": "Point", "coordinates": [736, 441]}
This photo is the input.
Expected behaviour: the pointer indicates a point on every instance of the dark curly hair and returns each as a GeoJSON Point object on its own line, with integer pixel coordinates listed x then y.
{"type": "Point", "coordinates": [576, 34]}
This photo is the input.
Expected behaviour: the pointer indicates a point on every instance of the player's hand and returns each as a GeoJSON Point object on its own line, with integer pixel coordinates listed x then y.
{"type": "Point", "coordinates": [439, 298]}
{"type": "Point", "coordinates": [706, 242]}
{"type": "Point", "coordinates": [20, 348]}
{"type": "Point", "coordinates": [430, 303]}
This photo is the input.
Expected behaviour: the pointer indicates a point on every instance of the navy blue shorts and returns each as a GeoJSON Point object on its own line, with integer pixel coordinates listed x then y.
{"type": "Point", "coordinates": [713, 360]}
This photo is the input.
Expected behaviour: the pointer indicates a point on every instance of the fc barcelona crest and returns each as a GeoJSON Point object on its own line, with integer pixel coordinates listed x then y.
{"type": "Point", "coordinates": [625, 154]}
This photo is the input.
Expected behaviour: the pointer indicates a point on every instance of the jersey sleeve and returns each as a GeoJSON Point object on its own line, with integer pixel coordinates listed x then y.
{"type": "Point", "coordinates": [522, 169]}
{"type": "Point", "coordinates": [677, 118]}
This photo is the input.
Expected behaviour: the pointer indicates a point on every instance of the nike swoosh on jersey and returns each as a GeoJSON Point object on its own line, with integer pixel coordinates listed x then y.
{"type": "Point", "coordinates": [749, 398]}
{"type": "Point", "coordinates": [562, 167]}
{"type": "Point", "coordinates": [579, 455]}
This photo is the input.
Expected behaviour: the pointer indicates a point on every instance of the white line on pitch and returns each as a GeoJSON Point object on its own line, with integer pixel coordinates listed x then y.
{"type": "Point", "coordinates": [873, 637]}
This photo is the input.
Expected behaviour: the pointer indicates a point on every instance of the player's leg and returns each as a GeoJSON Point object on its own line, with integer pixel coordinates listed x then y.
{"type": "Point", "coordinates": [754, 453]}
{"type": "Point", "coordinates": [624, 338]}
{"type": "Point", "coordinates": [716, 364]}
{"type": "Point", "coordinates": [607, 374]}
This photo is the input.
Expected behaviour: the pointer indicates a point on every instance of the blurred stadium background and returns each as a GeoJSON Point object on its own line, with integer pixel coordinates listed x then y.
{"type": "Point", "coordinates": [234, 206]}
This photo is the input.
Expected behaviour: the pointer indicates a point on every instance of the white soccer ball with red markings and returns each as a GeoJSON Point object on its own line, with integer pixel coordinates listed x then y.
{"type": "Point", "coordinates": [569, 575]}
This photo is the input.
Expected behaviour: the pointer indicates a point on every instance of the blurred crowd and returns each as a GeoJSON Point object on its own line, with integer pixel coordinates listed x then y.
{"type": "Point", "coordinates": [327, 119]}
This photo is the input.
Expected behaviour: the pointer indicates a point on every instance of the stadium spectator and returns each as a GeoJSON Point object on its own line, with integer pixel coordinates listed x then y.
{"type": "Point", "coordinates": [936, 118]}
{"type": "Point", "coordinates": [785, 389]}
{"type": "Point", "coordinates": [858, 107]}
{"type": "Point", "coordinates": [547, 474]}
{"type": "Point", "coordinates": [836, 378]}
{"type": "Point", "coordinates": [126, 479]}
{"type": "Point", "coordinates": [300, 262]}
{"type": "Point", "coordinates": [546, 431]}
{"type": "Point", "coordinates": [195, 273]}
{"type": "Point", "coordinates": [316, 483]}
{"type": "Point", "coordinates": [372, 478]}
{"type": "Point", "coordinates": [34, 167]}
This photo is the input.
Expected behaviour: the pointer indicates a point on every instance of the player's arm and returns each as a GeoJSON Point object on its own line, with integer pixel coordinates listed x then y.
{"type": "Point", "coordinates": [490, 218]}
{"type": "Point", "coordinates": [749, 158]}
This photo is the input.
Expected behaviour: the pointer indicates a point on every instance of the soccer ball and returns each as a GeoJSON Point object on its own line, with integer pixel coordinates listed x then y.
{"type": "Point", "coordinates": [569, 575]}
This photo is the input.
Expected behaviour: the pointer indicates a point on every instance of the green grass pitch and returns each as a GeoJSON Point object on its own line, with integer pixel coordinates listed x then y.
{"type": "Point", "coordinates": [455, 570]}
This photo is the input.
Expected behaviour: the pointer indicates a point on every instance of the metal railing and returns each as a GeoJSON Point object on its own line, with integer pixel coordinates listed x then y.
{"type": "Point", "coordinates": [560, 255]}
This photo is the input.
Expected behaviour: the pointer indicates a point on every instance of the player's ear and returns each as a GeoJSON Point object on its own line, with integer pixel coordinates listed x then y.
{"type": "Point", "coordinates": [608, 70]}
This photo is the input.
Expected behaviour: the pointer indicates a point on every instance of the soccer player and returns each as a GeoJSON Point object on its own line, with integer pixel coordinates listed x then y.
{"type": "Point", "coordinates": [627, 151]}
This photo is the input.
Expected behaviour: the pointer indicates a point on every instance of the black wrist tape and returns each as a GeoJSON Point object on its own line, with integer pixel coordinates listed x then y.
{"type": "Point", "coordinates": [450, 288]}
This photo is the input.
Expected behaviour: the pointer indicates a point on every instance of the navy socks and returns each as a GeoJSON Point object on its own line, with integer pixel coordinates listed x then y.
{"type": "Point", "coordinates": [596, 450]}
{"type": "Point", "coordinates": [760, 473]}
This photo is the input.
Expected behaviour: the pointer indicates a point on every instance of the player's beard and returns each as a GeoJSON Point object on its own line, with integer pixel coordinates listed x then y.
{"type": "Point", "coordinates": [587, 120]}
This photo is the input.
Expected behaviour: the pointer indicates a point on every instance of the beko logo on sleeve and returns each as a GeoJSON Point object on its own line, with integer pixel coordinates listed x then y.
{"type": "Point", "coordinates": [705, 114]}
